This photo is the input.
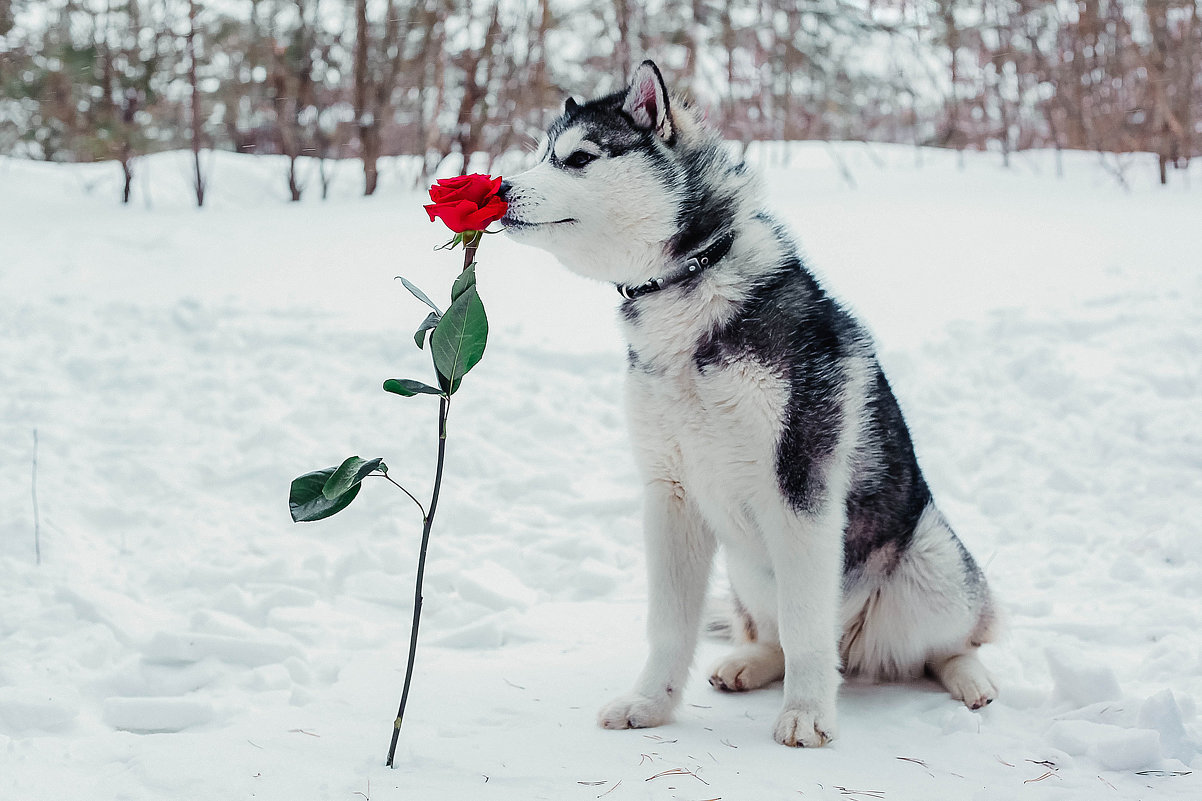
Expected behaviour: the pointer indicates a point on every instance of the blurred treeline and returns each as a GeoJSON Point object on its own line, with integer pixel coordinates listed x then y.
{"type": "Point", "coordinates": [114, 79]}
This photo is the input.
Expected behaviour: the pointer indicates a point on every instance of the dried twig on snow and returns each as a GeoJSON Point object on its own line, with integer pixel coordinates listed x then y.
{"type": "Point", "coordinates": [677, 772]}
{"type": "Point", "coordinates": [610, 790]}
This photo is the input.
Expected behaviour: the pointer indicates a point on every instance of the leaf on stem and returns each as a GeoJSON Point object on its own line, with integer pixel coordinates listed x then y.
{"type": "Point", "coordinates": [419, 336]}
{"type": "Point", "coordinates": [417, 293]}
{"type": "Point", "coordinates": [407, 387]}
{"type": "Point", "coordinates": [465, 281]}
{"type": "Point", "coordinates": [458, 341]}
{"type": "Point", "coordinates": [448, 388]}
{"type": "Point", "coordinates": [349, 474]}
{"type": "Point", "coordinates": [307, 502]}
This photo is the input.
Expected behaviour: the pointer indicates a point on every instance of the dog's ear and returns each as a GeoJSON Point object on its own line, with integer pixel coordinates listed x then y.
{"type": "Point", "coordinates": [647, 101]}
{"type": "Point", "coordinates": [570, 105]}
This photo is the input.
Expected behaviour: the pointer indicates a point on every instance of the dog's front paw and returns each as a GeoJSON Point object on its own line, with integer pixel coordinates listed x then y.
{"type": "Point", "coordinates": [635, 711]}
{"type": "Point", "coordinates": [806, 727]}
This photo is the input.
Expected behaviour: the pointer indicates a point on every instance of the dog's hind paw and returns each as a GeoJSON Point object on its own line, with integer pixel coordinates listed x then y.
{"type": "Point", "coordinates": [749, 668]}
{"type": "Point", "coordinates": [635, 711]}
{"type": "Point", "coordinates": [966, 679]}
{"type": "Point", "coordinates": [805, 728]}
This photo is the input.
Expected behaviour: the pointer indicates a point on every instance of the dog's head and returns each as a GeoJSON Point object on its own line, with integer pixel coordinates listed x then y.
{"type": "Point", "coordinates": [609, 190]}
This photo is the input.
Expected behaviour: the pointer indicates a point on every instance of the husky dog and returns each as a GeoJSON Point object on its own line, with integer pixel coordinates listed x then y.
{"type": "Point", "coordinates": [761, 421]}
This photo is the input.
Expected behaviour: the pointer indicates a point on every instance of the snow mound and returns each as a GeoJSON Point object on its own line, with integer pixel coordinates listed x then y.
{"type": "Point", "coordinates": [149, 715]}
{"type": "Point", "coordinates": [1081, 682]}
{"type": "Point", "coordinates": [31, 709]}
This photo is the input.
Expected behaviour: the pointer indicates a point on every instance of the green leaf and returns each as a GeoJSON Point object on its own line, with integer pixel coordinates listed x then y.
{"type": "Point", "coordinates": [349, 474]}
{"type": "Point", "coordinates": [408, 387]}
{"type": "Point", "coordinates": [448, 388]}
{"type": "Point", "coordinates": [458, 341]}
{"type": "Point", "coordinates": [417, 293]}
{"type": "Point", "coordinates": [465, 281]}
{"type": "Point", "coordinates": [419, 336]}
{"type": "Point", "coordinates": [307, 502]}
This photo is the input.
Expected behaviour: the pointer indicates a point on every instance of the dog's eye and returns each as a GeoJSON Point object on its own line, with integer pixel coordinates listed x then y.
{"type": "Point", "coordinates": [579, 159]}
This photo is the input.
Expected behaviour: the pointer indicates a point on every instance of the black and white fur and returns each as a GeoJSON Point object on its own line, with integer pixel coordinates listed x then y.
{"type": "Point", "coordinates": [761, 421]}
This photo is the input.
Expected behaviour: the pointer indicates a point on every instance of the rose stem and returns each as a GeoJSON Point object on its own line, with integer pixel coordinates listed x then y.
{"type": "Point", "coordinates": [469, 255]}
{"type": "Point", "coordinates": [469, 249]}
{"type": "Point", "coordinates": [443, 405]}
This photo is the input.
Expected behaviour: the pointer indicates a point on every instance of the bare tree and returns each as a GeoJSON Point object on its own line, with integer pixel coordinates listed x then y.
{"type": "Point", "coordinates": [198, 178]}
{"type": "Point", "coordinates": [365, 111]}
{"type": "Point", "coordinates": [476, 65]}
{"type": "Point", "coordinates": [103, 79]}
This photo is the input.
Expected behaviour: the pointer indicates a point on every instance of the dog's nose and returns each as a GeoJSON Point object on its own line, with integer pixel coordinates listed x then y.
{"type": "Point", "coordinates": [503, 190]}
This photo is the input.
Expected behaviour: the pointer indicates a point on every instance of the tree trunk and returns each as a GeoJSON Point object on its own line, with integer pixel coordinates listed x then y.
{"type": "Point", "coordinates": [434, 151]}
{"type": "Point", "coordinates": [198, 181]}
{"type": "Point", "coordinates": [369, 133]}
{"type": "Point", "coordinates": [622, 53]}
{"type": "Point", "coordinates": [473, 110]}
{"type": "Point", "coordinates": [127, 172]}
{"type": "Point", "coordinates": [294, 186]}
{"type": "Point", "coordinates": [1190, 47]}
{"type": "Point", "coordinates": [954, 136]}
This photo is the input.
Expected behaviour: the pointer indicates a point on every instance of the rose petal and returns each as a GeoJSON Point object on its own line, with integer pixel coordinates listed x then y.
{"type": "Point", "coordinates": [475, 187]}
{"type": "Point", "coordinates": [467, 202]}
{"type": "Point", "coordinates": [454, 214]}
{"type": "Point", "coordinates": [442, 195]}
{"type": "Point", "coordinates": [492, 211]}
{"type": "Point", "coordinates": [459, 187]}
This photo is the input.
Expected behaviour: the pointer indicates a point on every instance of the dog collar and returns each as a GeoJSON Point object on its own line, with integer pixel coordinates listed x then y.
{"type": "Point", "coordinates": [693, 265]}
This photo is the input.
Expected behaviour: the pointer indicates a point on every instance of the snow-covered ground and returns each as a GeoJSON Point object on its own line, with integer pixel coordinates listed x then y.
{"type": "Point", "coordinates": [182, 639]}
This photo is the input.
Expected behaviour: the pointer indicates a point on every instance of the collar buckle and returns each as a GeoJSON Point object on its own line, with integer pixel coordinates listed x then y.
{"type": "Point", "coordinates": [693, 265]}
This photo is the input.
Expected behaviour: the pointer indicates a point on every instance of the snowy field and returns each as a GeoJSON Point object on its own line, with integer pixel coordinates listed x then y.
{"type": "Point", "coordinates": [182, 639]}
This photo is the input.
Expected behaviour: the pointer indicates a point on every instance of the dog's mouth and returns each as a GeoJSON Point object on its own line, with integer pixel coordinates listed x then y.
{"type": "Point", "coordinates": [514, 223]}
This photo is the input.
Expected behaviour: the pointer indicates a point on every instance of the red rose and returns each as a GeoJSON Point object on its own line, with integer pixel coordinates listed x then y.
{"type": "Point", "coordinates": [466, 203]}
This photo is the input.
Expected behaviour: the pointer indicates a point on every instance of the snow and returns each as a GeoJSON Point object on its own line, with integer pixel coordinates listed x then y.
{"type": "Point", "coordinates": [1080, 682]}
{"type": "Point", "coordinates": [183, 639]}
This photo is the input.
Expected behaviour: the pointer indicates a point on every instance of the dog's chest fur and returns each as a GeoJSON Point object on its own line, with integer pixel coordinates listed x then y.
{"type": "Point", "coordinates": [711, 429]}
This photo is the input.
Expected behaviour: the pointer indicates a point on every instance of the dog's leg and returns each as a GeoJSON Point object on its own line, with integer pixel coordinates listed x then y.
{"type": "Point", "coordinates": [758, 660]}
{"type": "Point", "coordinates": [680, 551]}
{"type": "Point", "coordinates": [807, 554]}
{"type": "Point", "coordinates": [932, 608]}
{"type": "Point", "coordinates": [965, 678]}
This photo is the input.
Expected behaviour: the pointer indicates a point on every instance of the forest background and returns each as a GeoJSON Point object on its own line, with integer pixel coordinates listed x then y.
{"type": "Point", "coordinates": [94, 80]}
